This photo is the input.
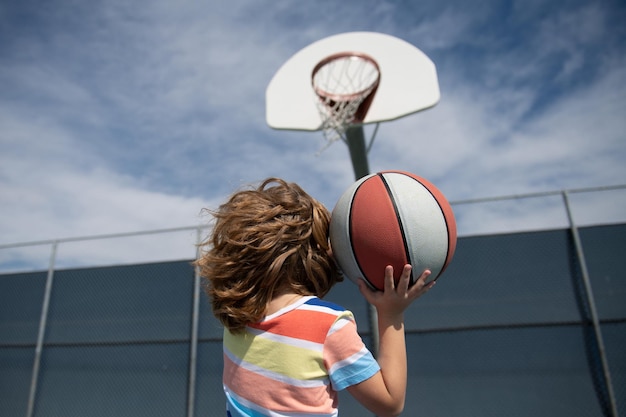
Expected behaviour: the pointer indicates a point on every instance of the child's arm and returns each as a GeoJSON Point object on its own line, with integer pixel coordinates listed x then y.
{"type": "Point", "coordinates": [385, 392]}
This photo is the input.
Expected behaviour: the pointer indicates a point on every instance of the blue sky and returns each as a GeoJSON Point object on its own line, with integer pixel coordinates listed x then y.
{"type": "Point", "coordinates": [120, 116]}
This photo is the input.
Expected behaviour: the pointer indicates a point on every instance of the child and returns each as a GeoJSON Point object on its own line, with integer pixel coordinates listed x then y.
{"type": "Point", "coordinates": [286, 352]}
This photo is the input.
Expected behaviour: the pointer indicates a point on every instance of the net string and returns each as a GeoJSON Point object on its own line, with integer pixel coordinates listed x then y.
{"type": "Point", "coordinates": [342, 84]}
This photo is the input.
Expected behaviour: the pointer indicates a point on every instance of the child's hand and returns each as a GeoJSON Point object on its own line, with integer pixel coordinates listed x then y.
{"type": "Point", "coordinates": [385, 392]}
{"type": "Point", "coordinates": [395, 299]}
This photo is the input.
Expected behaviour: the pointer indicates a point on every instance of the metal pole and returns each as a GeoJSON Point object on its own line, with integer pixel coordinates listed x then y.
{"type": "Point", "coordinates": [592, 305]}
{"type": "Point", "coordinates": [42, 332]}
{"type": "Point", "coordinates": [193, 353]}
{"type": "Point", "coordinates": [358, 153]}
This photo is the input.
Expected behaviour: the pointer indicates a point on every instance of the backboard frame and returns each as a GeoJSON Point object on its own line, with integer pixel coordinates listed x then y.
{"type": "Point", "coordinates": [408, 81]}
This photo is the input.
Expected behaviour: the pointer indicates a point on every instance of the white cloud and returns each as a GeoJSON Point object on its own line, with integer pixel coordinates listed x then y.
{"type": "Point", "coordinates": [59, 203]}
{"type": "Point", "coordinates": [119, 118]}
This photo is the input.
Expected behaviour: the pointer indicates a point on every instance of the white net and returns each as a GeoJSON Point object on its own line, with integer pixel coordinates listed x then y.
{"type": "Point", "coordinates": [342, 83]}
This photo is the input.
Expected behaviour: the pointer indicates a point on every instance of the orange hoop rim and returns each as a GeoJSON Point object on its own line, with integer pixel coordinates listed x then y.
{"type": "Point", "coordinates": [325, 95]}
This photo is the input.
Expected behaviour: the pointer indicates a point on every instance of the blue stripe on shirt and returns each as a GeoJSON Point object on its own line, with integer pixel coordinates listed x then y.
{"type": "Point", "coordinates": [345, 377]}
{"type": "Point", "coordinates": [319, 302]}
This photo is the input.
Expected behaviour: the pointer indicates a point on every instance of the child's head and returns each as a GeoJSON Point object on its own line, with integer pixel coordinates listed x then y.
{"type": "Point", "coordinates": [266, 241]}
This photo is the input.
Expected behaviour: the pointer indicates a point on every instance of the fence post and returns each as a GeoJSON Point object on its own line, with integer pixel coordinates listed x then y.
{"type": "Point", "coordinates": [42, 331]}
{"type": "Point", "coordinates": [193, 354]}
{"type": "Point", "coordinates": [592, 305]}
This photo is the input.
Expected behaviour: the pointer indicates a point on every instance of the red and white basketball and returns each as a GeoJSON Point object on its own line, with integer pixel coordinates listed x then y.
{"type": "Point", "coordinates": [392, 218]}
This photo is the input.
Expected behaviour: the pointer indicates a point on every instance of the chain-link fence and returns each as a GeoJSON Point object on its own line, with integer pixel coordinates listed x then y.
{"type": "Point", "coordinates": [529, 319]}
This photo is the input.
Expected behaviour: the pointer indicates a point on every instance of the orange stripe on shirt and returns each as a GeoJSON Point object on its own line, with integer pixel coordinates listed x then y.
{"type": "Point", "coordinates": [302, 324]}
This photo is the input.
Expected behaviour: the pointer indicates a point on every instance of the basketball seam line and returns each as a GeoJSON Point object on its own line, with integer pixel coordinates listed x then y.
{"type": "Point", "coordinates": [399, 220]}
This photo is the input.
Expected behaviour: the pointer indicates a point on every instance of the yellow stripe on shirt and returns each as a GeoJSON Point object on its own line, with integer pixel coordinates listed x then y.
{"type": "Point", "coordinates": [275, 356]}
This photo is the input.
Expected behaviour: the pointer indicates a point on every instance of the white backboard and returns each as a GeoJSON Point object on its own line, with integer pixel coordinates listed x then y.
{"type": "Point", "coordinates": [408, 81]}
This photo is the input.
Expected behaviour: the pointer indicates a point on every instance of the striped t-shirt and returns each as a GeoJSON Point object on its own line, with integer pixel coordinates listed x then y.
{"type": "Point", "coordinates": [294, 361]}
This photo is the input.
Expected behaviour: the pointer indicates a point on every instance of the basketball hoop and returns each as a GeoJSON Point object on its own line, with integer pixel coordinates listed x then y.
{"type": "Point", "coordinates": [345, 84]}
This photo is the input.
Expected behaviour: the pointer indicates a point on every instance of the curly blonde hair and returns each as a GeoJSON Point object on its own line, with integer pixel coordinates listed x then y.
{"type": "Point", "coordinates": [266, 241]}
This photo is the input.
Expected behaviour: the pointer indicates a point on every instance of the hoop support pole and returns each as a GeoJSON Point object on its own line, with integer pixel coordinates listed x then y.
{"type": "Point", "coordinates": [355, 138]}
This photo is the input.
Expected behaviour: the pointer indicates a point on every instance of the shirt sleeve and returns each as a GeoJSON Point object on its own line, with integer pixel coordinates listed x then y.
{"type": "Point", "coordinates": [346, 357]}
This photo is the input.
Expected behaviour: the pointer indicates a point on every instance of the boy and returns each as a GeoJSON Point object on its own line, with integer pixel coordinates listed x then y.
{"type": "Point", "coordinates": [287, 352]}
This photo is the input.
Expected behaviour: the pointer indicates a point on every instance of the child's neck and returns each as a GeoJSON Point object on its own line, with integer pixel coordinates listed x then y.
{"type": "Point", "coordinates": [281, 301]}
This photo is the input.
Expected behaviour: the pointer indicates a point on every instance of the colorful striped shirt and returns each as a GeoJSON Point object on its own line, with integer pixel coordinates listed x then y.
{"type": "Point", "coordinates": [294, 361]}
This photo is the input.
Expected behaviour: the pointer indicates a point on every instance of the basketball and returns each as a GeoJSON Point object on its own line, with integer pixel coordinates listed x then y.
{"type": "Point", "coordinates": [392, 218]}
